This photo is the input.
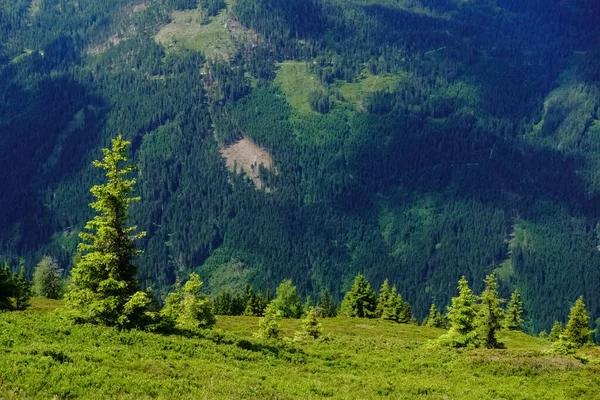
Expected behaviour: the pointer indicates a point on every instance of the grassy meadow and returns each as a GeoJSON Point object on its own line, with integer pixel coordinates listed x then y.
{"type": "Point", "coordinates": [43, 356]}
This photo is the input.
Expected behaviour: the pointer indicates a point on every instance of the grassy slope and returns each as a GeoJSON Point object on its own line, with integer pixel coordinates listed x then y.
{"type": "Point", "coordinates": [42, 356]}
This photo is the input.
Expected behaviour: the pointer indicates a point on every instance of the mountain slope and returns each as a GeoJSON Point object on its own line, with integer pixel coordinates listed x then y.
{"type": "Point", "coordinates": [418, 141]}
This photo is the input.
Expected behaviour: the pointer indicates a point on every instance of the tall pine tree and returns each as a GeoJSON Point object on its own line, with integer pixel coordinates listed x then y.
{"type": "Point", "coordinates": [514, 313]}
{"type": "Point", "coordinates": [360, 301]}
{"type": "Point", "coordinates": [104, 288]}
{"type": "Point", "coordinates": [490, 313]}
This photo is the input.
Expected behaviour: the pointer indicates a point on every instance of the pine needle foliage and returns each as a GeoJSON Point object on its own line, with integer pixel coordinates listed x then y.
{"type": "Point", "coordinates": [104, 288]}
{"type": "Point", "coordinates": [514, 312]}
{"type": "Point", "coordinates": [577, 331]}
{"type": "Point", "coordinates": [382, 300]}
{"type": "Point", "coordinates": [188, 307]}
{"type": "Point", "coordinates": [490, 313]}
{"type": "Point", "coordinates": [557, 330]}
{"type": "Point", "coordinates": [435, 319]}
{"type": "Point", "coordinates": [327, 305]}
{"type": "Point", "coordinates": [268, 326]}
{"type": "Point", "coordinates": [360, 301]}
{"type": "Point", "coordinates": [311, 327]}
{"type": "Point", "coordinates": [463, 319]}
{"type": "Point", "coordinates": [47, 279]}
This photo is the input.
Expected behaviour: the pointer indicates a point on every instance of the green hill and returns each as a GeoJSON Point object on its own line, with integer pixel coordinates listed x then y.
{"type": "Point", "coordinates": [415, 140]}
{"type": "Point", "coordinates": [44, 356]}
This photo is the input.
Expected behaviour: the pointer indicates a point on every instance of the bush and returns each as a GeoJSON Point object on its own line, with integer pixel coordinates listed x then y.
{"type": "Point", "coordinates": [188, 308]}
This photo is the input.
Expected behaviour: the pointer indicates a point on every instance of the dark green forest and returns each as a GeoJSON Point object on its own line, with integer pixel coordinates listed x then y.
{"type": "Point", "coordinates": [415, 140]}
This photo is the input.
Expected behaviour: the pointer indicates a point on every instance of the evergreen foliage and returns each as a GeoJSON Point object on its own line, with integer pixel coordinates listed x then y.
{"type": "Point", "coordinates": [188, 307]}
{"type": "Point", "coordinates": [360, 301]}
{"type": "Point", "coordinates": [287, 300]}
{"type": "Point", "coordinates": [6, 288]}
{"type": "Point", "coordinates": [104, 288]}
{"type": "Point", "coordinates": [268, 326]}
{"type": "Point", "coordinates": [435, 319]}
{"type": "Point", "coordinates": [22, 290]}
{"type": "Point", "coordinates": [327, 306]}
{"type": "Point", "coordinates": [490, 314]}
{"type": "Point", "coordinates": [577, 332]}
{"type": "Point", "coordinates": [382, 300]}
{"type": "Point", "coordinates": [311, 327]}
{"type": "Point", "coordinates": [462, 315]}
{"type": "Point", "coordinates": [556, 331]}
{"type": "Point", "coordinates": [513, 319]}
{"type": "Point", "coordinates": [47, 279]}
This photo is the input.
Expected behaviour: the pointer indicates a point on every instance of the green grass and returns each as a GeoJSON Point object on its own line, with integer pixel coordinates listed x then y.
{"type": "Point", "coordinates": [43, 356]}
{"type": "Point", "coordinates": [296, 82]}
{"type": "Point", "coordinates": [355, 92]}
{"type": "Point", "coordinates": [193, 31]}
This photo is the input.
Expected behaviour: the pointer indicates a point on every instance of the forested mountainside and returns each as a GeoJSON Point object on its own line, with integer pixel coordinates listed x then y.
{"type": "Point", "coordinates": [314, 139]}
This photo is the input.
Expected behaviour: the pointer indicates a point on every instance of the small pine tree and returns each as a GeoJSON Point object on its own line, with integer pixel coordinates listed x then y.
{"type": "Point", "coordinates": [47, 279]}
{"type": "Point", "coordinates": [463, 319]}
{"type": "Point", "coordinates": [188, 307]}
{"type": "Point", "coordinates": [391, 305]}
{"type": "Point", "coordinates": [556, 331]}
{"type": "Point", "coordinates": [287, 300]}
{"type": "Point", "coordinates": [360, 301]}
{"type": "Point", "coordinates": [514, 313]}
{"type": "Point", "coordinates": [435, 319]}
{"type": "Point", "coordinates": [268, 326]}
{"type": "Point", "coordinates": [577, 331]}
{"type": "Point", "coordinates": [311, 327]}
{"type": "Point", "coordinates": [327, 305]}
{"type": "Point", "coordinates": [490, 313]}
{"type": "Point", "coordinates": [104, 288]}
{"type": "Point", "coordinates": [382, 300]}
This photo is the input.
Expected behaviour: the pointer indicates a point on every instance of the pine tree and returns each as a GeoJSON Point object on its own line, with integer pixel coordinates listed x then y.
{"type": "Point", "coordinates": [47, 279]}
{"type": "Point", "coordinates": [463, 319]}
{"type": "Point", "coordinates": [382, 300]}
{"type": "Point", "coordinates": [435, 319]}
{"type": "Point", "coordinates": [490, 313]}
{"type": "Point", "coordinates": [311, 327]}
{"type": "Point", "coordinates": [7, 288]}
{"type": "Point", "coordinates": [23, 292]}
{"type": "Point", "coordinates": [287, 300]}
{"type": "Point", "coordinates": [556, 331]}
{"type": "Point", "coordinates": [327, 305]}
{"type": "Point", "coordinates": [391, 305]}
{"type": "Point", "coordinates": [577, 331]}
{"type": "Point", "coordinates": [360, 301]}
{"type": "Point", "coordinates": [514, 313]}
{"type": "Point", "coordinates": [104, 288]}
{"type": "Point", "coordinates": [268, 326]}
{"type": "Point", "coordinates": [188, 307]}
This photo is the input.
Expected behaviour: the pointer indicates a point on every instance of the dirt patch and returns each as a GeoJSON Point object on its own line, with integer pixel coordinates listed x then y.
{"type": "Point", "coordinates": [247, 156]}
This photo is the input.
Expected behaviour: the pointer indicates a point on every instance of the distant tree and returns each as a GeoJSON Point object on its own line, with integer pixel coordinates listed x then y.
{"type": "Point", "coordinates": [223, 303]}
{"type": "Point", "coordinates": [382, 300]}
{"type": "Point", "coordinates": [268, 326]}
{"type": "Point", "coordinates": [327, 305]}
{"type": "Point", "coordinates": [23, 290]}
{"type": "Point", "coordinates": [47, 279]}
{"type": "Point", "coordinates": [395, 309]}
{"type": "Point", "coordinates": [287, 300]}
{"type": "Point", "coordinates": [360, 301]}
{"type": "Point", "coordinates": [104, 288]}
{"type": "Point", "coordinates": [463, 319]}
{"type": "Point", "coordinates": [188, 307]}
{"type": "Point", "coordinates": [311, 327]}
{"type": "Point", "coordinates": [577, 331]}
{"type": "Point", "coordinates": [7, 288]}
{"type": "Point", "coordinates": [435, 319]}
{"type": "Point", "coordinates": [514, 313]}
{"type": "Point", "coordinates": [490, 313]}
{"type": "Point", "coordinates": [557, 330]}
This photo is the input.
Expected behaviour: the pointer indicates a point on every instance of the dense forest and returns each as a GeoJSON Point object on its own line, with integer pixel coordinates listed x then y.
{"type": "Point", "coordinates": [415, 140]}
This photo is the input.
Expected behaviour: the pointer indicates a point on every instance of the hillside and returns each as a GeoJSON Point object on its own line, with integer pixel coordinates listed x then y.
{"type": "Point", "coordinates": [44, 356]}
{"type": "Point", "coordinates": [415, 140]}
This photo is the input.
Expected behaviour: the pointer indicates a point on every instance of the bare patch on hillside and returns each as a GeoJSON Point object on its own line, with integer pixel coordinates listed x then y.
{"type": "Point", "coordinates": [247, 156]}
